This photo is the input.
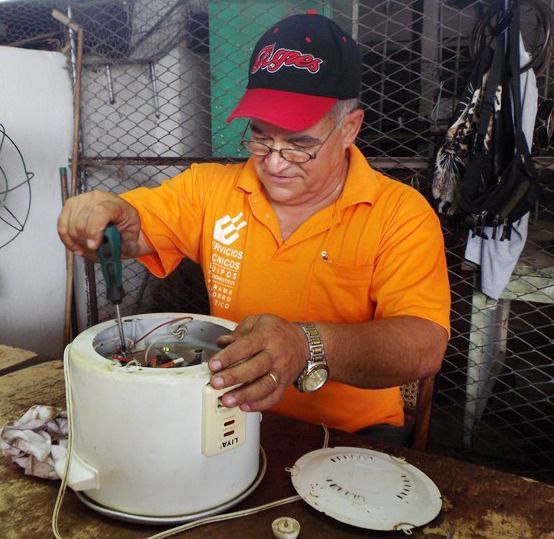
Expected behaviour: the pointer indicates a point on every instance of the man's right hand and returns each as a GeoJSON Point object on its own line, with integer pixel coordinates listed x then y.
{"type": "Point", "coordinates": [83, 219]}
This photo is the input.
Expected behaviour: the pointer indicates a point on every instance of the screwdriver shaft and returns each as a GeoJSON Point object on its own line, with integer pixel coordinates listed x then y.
{"type": "Point", "coordinates": [120, 327]}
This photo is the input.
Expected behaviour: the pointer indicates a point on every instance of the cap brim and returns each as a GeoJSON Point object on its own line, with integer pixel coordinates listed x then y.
{"type": "Point", "coordinates": [288, 110]}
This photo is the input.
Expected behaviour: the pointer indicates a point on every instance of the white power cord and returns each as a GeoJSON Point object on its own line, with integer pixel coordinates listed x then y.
{"type": "Point", "coordinates": [227, 516]}
{"type": "Point", "coordinates": [63, 486]}
{"type": "Point", "coordinates": [236, 514]}
{"type": "Point", "coordinates": [172, 531]}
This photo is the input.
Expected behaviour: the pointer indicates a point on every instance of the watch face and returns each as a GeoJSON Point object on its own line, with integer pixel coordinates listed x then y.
{"type": "Point", "coordinates": [315, 378]}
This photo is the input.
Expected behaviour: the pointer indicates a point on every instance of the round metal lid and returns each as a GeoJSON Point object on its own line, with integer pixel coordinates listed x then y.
{"type": "Point", "coordinates": [366, 488]}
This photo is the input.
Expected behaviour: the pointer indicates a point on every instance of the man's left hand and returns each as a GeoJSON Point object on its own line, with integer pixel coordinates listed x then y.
{"type": "Point", "coordinates": [264, 354]}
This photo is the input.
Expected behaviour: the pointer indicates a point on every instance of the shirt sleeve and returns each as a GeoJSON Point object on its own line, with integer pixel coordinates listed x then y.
{"type": "Point", "coordinates": [171, 219]}
{"type": "Point", "coordinates": [411, 276]}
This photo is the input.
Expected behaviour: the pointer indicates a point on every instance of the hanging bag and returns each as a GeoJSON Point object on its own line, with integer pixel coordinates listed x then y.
{"type": "Point", "coordinates": [495, 200]}
{"type": "Point", "coordinates": [499, 184]}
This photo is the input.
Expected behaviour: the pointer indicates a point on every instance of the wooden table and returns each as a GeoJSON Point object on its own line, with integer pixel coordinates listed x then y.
{"type": "Point", "coordinates": [478, 502]}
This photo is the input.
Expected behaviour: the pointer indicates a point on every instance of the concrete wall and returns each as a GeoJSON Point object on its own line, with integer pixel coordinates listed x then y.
{"type": "Point", "coordinates": [36, 112]}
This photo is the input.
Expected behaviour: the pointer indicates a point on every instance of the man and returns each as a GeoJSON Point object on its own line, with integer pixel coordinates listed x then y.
{"type": "Point", "coordinates": [335, 272]}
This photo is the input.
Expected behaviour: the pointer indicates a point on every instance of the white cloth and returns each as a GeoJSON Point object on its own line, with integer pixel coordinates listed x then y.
{"type": "Point", "coordinates": [499, 258]}
{"type": "Point", "coordinates": [37, 440]}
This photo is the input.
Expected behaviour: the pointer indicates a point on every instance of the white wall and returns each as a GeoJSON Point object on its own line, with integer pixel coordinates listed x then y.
{"type": "Point", "coordinates": [36, 112]}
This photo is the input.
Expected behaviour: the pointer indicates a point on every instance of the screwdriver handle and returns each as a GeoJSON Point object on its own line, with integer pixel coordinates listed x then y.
{"type": "Point", "coordinates": [109, 254]}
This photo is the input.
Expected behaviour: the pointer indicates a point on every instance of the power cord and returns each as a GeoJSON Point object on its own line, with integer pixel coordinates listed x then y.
{"type": "Point", "coordinates": [227, 516]}
{"type": "Point", "coordinates": [63, 486]}
{"type": "Point", "coordinates": [236, 514]}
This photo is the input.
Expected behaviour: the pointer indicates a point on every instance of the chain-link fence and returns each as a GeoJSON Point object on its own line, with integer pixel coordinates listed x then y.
{"type": "Point", "coordinates": [159, 78]}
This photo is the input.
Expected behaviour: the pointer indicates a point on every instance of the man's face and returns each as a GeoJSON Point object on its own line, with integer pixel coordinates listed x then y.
{"type": "Point", "coordinates": [295, 184]}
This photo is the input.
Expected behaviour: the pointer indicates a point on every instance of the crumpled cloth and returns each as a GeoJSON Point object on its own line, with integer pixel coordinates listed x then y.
{"type": "Point", "coordinates": [37, 440]}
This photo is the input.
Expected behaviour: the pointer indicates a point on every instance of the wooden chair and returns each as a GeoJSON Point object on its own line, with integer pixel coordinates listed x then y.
{"type": "Point", "coordinates": [418, 399]}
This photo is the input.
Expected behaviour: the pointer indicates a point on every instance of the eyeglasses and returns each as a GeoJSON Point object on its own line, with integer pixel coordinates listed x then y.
{"type": "Point", "coordinates": [293, 155]}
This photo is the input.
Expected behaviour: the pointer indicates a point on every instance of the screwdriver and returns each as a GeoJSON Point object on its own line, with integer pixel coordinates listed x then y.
{"type": "Point", "coordinates": [109, 254]}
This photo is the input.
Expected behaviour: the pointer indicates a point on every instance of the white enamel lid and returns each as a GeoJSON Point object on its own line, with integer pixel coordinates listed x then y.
{"type": "Point", "coordinates": [366, 488]}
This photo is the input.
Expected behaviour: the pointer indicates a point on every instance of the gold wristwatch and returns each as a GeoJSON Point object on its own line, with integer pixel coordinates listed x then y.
{"type": "Point", "coordinates": [316, 371]}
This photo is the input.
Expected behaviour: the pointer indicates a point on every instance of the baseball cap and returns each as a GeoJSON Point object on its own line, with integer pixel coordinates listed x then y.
{"type": "Point", "coordinates": [299, 69]}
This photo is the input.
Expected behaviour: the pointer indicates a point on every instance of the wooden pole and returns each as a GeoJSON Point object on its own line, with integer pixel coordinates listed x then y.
{"type": "Point", "coordinates": [67, 328]}
{"type": "Point", "coordinates": [70, 257]}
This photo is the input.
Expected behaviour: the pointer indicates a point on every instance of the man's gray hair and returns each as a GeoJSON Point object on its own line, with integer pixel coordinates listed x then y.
{"type": "Point", "coordinates": [342, 108]}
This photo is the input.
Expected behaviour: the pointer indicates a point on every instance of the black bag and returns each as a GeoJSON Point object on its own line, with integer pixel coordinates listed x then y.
{"type": "Point", "coordinates": [498, 183]}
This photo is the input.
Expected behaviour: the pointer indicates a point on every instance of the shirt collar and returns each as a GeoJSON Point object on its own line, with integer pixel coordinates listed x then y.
{"type": "Point", "coordinates": [360, 186]}
{"type": "Point", "coordinates": [361, 181]}
{"type": "Point", "coordinates": [248, 180]}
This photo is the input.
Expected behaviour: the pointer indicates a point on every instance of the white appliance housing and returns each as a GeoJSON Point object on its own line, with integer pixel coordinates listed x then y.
{"type": "Point", "coordinates": [138, 431]}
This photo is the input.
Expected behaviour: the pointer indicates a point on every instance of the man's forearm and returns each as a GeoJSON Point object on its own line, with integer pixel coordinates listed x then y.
{"type": "Point", "coordinates": [383, 353]}
{"type": "Point", "coordinates": [266, 353]}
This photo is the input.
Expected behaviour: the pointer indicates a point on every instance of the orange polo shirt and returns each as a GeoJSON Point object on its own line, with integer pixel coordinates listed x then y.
{"type": "Point", "coordinates": [377, 252]}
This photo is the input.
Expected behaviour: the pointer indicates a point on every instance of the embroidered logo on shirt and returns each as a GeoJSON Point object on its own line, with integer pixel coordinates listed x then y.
{"type": "Point", "coordinates": [226, 229]}
{"type": "Point", "coordinates": [225, 262]}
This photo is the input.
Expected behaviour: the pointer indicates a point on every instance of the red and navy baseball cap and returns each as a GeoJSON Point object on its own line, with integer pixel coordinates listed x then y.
{"type": "Point", "coordinates": [299, 69]}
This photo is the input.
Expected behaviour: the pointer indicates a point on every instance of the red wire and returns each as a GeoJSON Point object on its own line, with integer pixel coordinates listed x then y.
{"type": "Point", "coordinates": [167, 322]}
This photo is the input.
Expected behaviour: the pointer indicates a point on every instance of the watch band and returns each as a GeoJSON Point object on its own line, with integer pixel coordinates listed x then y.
{"type": "Point", "coordinates": [315, 343]}
{"type": "Point", "coordinates": [315, 372]}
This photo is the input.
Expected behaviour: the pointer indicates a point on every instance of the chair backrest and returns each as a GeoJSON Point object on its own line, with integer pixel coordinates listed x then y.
{"type": "Point", "coordinates": [418, 398]}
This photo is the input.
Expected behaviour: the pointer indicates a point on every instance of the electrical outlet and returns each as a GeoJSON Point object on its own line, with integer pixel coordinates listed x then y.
{"type": "Point", "coordinates": [223, 428]}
